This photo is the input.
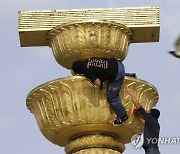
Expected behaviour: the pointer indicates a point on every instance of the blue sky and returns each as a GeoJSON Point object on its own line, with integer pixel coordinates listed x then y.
{"type": "Point", "coordinates": [22, 69]}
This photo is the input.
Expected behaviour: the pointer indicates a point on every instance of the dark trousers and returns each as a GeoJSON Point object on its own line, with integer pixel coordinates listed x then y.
{"type": "Point", "coordinates": [152, 151]}
{"type": "Point", "coordinates": [113, 90]}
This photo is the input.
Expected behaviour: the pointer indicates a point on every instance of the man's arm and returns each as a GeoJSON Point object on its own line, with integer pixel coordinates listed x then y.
{"type": "Point", "coordinates": [93, 78]}
{"type": "Point", "coordinates": [141, 119]}
{"type": "Point", "coordinates": [135, 101]}
{"type": "Point", "coordinates": [138, 105]}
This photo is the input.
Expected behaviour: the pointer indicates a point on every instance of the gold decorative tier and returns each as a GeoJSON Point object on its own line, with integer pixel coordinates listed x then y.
{"type": "Point", "coordinates": [71, 112]}
{"type": "Point", "coordinates": [35, 25]}
{"type": "Point", "coordinates": [81, 40]}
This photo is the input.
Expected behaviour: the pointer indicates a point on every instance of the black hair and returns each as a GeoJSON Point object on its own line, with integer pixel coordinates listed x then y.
{"type": "Point", "coordinates": [155, 113]}
{"type": "Point", "coordinates": [78, 67]}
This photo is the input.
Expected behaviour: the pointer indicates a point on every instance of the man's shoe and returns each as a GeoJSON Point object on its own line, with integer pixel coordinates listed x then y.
{"type": "Point", "coordinates": [134, 75]}
{"type": "Point", "coordinates": [119, 121]}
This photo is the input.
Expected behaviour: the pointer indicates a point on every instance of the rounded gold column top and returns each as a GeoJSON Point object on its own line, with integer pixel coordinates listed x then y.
{"type": "Point", "coordinates": [83, 39]}
{"type": "Point", "coordinates": [68, 108]}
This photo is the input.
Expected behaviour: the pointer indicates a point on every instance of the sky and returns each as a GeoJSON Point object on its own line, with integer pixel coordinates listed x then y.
{"type": "Point", "coordinates": [23, 69]}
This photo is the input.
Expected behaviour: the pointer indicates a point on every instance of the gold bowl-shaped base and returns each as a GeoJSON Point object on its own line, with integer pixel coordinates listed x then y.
{"type": "Point", "coordinates": [80, 40]}
{"type": "Point", "coordinates": [71, 107]}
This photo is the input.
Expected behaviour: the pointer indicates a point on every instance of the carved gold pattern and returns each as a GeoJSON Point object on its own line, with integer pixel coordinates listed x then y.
{"type": "Point", "coordinates": [71, 107]}
{"type": "Point", "coordinates": [72, 112]}
{"type": "Point", "coordinates": [94, 141]}
{"type": "Point", "coordinates": [81, 40]}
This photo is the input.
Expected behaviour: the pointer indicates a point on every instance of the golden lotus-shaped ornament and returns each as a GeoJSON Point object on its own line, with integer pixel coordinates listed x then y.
{"type": "Point", "coordinates": [71, 108]}
{"type": "Point", "coordinates": [83, 39]}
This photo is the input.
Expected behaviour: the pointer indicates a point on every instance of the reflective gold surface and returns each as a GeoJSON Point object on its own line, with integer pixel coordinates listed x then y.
{"type": "Point", "coordinates": [69, 108]}
{"type": "Point", "coordinates": [143, 22]}
{"type": "Point", "coordinates": [91, 142]}
{"type": "Point", "coordinates": [71, 112]}
{"type": "Point", "coordinates": [81, 40]}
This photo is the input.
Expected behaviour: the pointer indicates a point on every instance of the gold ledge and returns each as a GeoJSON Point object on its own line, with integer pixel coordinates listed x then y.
{"type": "Point", "coordinates": [64, 137]}
{"type": "Point", "coordinates": [35, 25]}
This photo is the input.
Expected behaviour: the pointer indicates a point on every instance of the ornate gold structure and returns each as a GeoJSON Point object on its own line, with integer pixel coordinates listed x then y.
{"type": "Point", "coordinates": [80, 40]}
{"type": "Point", "coordinates": [35, 25]}
{"type": "Point", "coordinates": [71, 112]}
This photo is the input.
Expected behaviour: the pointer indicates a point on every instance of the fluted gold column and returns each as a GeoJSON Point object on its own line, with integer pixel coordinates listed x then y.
{"type": "Point", "coordinates": [71, 112]}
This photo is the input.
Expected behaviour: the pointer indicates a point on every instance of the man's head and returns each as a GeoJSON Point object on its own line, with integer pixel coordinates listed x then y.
{"type": "Point", "coordinates": [155, 113]}
{"type": "Point", "coordinates": [78, 67]}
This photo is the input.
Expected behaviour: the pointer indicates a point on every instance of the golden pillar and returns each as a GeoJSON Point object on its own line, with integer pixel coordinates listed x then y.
{"type": "Point", "coordinates": [71, 112]}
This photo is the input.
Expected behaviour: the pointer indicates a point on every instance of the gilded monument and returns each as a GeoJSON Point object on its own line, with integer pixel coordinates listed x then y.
{"type": "Point", "coordinates": [71, 112]}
